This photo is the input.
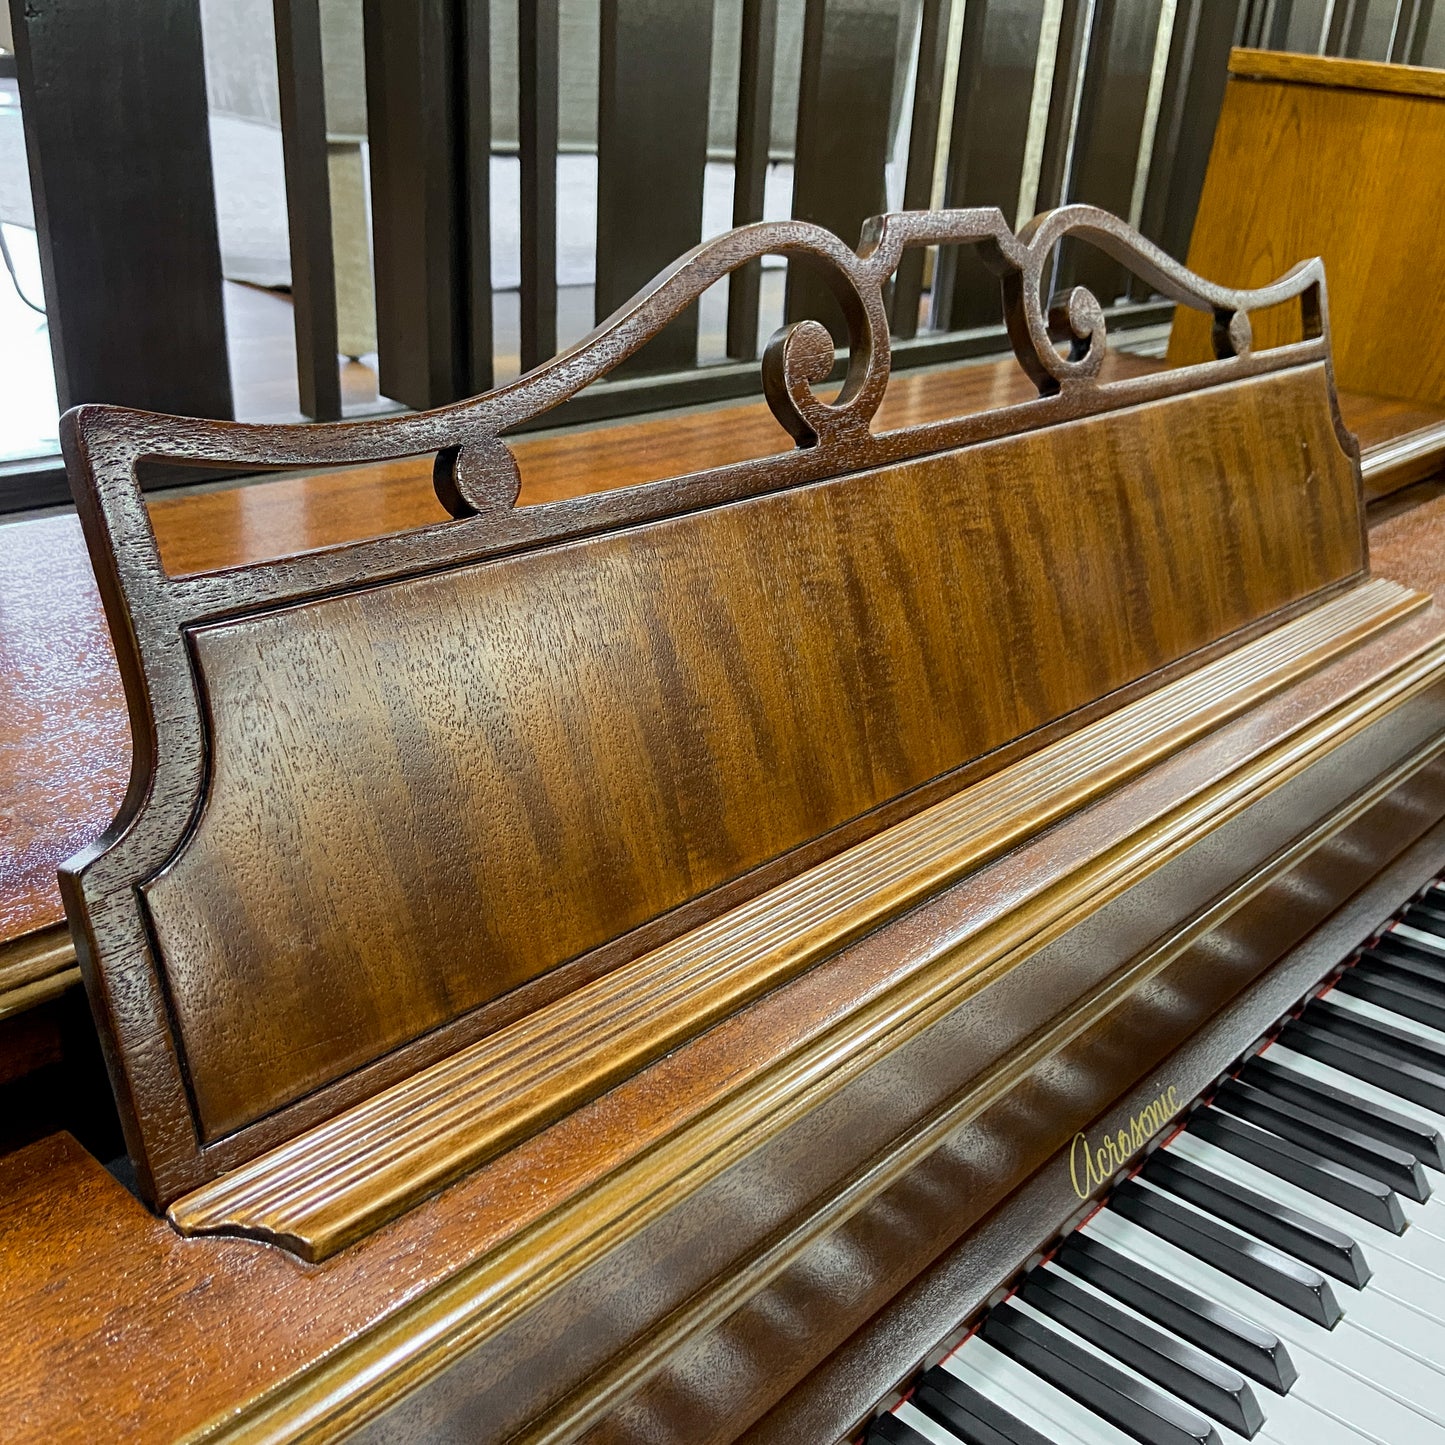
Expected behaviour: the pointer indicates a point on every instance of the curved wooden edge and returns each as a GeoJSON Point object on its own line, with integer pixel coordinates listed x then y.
{"type": "Point", "coordinates": [375, 1370]}
{"type": "Point", "coordinates": [1338, 72]}
{"type": "Point", "coordinates": [341, 1179]}
{"type": "Point", "coordinates": [479, 471]}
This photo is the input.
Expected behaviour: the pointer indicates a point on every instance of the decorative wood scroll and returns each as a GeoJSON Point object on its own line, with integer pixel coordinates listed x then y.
{"type": "Point", "coordinates": [396, 797]}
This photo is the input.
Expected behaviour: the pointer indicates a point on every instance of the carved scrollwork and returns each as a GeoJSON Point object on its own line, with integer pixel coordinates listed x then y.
{"type": "Point", "coordinates": [477, 474]}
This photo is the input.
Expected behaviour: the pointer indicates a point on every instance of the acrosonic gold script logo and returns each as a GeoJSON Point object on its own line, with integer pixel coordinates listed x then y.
{"type": "Point", "coordinates": [1091, 1165]}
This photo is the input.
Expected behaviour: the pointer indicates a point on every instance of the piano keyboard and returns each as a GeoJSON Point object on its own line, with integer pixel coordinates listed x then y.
{"type": "Point", "coordinates": [1275, 1272]}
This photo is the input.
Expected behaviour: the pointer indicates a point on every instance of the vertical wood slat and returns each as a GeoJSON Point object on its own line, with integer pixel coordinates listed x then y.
{"type": "Point", "coordinates": [845, 97]}
{"type": "Point", "coordinates": [308, 206]}
{"type": "Point", "coordinates": [114, 102]}
{"type": "Point", "coordinates": [1065, 102]}
{"type": "Point", "coordinates": [1204, 31]}
{"type": "Point", "coordinates": [922, 151]}
{"type": "Point", "coordinates": [429, 128]}
{"type": "Point", "coordinates": [750, 165]}
{"type": "Point", "coordinates": [537, 57]}
{"type": "Point", "coordinates": [991, 110]}
{"type": "Point", "coordinates": [652, 118]}
{"type": "Point", "coordinates": [1112, 105]}
{"type": "Point", "coordinates": [475, 130]}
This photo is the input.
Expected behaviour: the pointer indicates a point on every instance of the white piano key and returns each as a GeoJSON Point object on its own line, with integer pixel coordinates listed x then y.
{"type": "Point", "coordinates": [930, 1429]}
{"type": "Point", "coordinates": [1425, 939]}
{"type": "Point", "coordinates": [1346, 1373]}
{"type": "Point", "coordinates": [1388, 1016]}
{"type": "Point", "coordinates": [1033, 1401]}
{"type": "Point", "coordinates": [1327, 1074]}
{"type": "Point", "coordinates": [1226, 1435]}
{"type": "Point", "coordinates": [1414, 1248]}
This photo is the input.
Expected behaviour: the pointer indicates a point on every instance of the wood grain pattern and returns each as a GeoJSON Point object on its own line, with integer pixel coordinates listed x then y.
{"type": "Point", "coordinates": [332, 1183]}
{"type": "Point", "coordinates": [259, 1321]}
{"type": "Point", "coordinates": [529, 796]}
{"type": "Point", "coordinates": [1337, 71]}
{"type": "Point", "coordinates": [560, 748]}
{"type": "Point", "coordinates": [63, 793]}
{"type": "Point", "coordinates": [1304, 165]}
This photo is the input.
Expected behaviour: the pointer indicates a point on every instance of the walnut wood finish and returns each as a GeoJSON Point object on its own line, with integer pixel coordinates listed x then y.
{"type": "Point", "coordinates": [332, 1183]}
{"type": "Point", "coordinates": [62, 793]}
{"type": "Point", "coordinates": [1340, 159]}
{"type": "Point", "coordinates": [228, 1339]}
{"type": "Point", "coordinates": [393, 795]}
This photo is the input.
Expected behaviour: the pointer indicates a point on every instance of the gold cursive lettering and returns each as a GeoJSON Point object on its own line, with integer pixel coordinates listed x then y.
{"type": "Point", "coordinates": [1092, 1165]}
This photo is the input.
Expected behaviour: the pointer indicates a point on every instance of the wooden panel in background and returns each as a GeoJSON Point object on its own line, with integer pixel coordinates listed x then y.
{"type": "Point", "coordinates": [652, 115]}
{"type": "Point", "coordinates": [1188, 113]}
{"type": "Point", "coordinates": [1343, 160]}
{"type": "Point", "coordinates": [537, 61]}
{"type": "Point", "coordinates": [930, 64]}
{"type": "Point", "coordinates": [120, 168]}
{"type": "Point", "coordinates": [1113, 104]}
{"type": "Point", "coordinates": [750, 165]}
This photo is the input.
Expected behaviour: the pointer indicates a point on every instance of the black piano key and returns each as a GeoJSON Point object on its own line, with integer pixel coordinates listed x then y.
{"type": "Point", "coordinates": [1364, 1197]}
{"type": "Point", "coordinates": [1389, 1127]}
{"type": "Point", "coordinates": [1363, 1060]}
{"type": "Point", "coordinates": [1398, 1043]}
{"type": "Point", "coordinates": [1428, 917]}
{"type": "Point", "coordinates": [1396, 990]}
{"type": "Point", "coordinates": [1184, 1371]}
{"type": "Point", "coordinates": [1295, 1285]}
{"type": "Point", "coordinates": [1137, 1409]}
{"type": "Point", "coordinates": [1407, 954]}
{"type": "Point", "coordinates": [973, 1417]}
{"type": "Point", "coordinates": [890, 1430]}
{"type": "Point", "coordinates": [1249, 1347]}
{"type": "Point", "coordinates": [1331, 1138]}
{"type": "Point", "coordinates": [1311, 1240]}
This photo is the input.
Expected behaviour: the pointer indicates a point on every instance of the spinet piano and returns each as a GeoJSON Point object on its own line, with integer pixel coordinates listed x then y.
{"type": "Point", "coordinates": [661, 965]}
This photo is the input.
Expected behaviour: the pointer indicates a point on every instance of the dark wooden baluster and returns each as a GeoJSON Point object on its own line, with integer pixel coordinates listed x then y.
{"type": "Point", "coordinates": [1111, 118]}
{"type": "Point", "coordinates": [537, 137]}
{"type": "Point", "coordinates": [652, 114]}
{"type": "Point", "coordinates": [750, 164]}
{"type": "Point", "coordinates": [1188, 112]}
{"type": "Point", "coordinates": [845, 99]}
{"type": "Point", "coordinates": [986, 147]}
{"type": "Point", "coordinates": [429, 124]}
{"type": "Point", "coordinates": [308, 206]}
{"type": "Point", "coordinates": [114, 97]}
{"type": "Point", "coordinates": [922, 151]}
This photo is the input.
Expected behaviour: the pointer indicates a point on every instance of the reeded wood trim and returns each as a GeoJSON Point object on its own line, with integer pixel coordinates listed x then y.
{"type": "Point", "coordinates": [35, 968]}
{"type": "Point", "coordinates": [417, 1343]}
{"type": "Point", "coordinates": [339, 1180]}
{"type": "Point", "coordinates": [1337, 72]}
{"type": "Point", "coordinates": [1390, 465]}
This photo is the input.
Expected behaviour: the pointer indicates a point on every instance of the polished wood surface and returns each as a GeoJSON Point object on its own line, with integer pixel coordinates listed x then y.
{"type": "Point", "coordinates": [64, 738]}
{"type": "Point", "coordinates": [393, 795]}
{"type": "Point", "coordinates": [333, 1183]}
{"type": "Point", "coordinates": [1339, 72]}
{"type": "Point", "coordinates": [558, 749]}
{"type": "Point", "coordinates": [228, 1332]}
{"type": "Point", "coordinates": [1344, 160]}
{"type": "Point", "coordinates": [772, 1180]}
